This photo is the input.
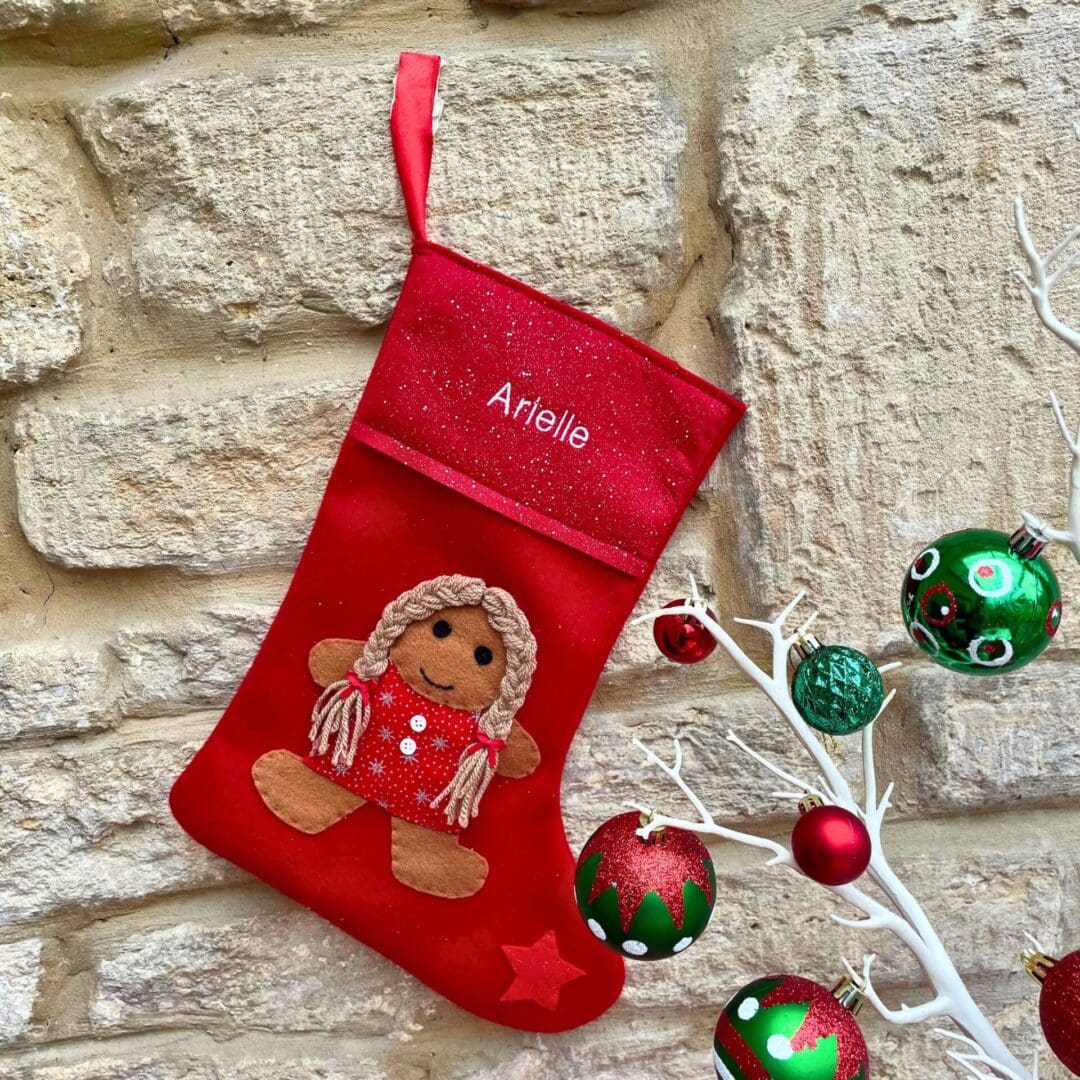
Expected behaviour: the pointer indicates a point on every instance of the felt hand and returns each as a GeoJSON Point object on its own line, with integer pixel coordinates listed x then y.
{"type": "Point", "coordinates": [520, 756]}
{"type": "Point", "coordinates": [331, 659]}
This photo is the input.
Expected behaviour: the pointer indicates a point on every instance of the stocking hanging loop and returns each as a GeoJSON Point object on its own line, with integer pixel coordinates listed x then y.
{"type": "Point", "coordinates": [413, 116]}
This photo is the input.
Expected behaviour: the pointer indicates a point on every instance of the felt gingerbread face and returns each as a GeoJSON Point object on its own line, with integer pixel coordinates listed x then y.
{"type": "Point", "coordinates": [453, 657]}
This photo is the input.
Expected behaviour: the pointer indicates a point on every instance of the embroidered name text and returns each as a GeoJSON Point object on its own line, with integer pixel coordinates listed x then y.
{"type": "Point", "coordinates": [564, 428]}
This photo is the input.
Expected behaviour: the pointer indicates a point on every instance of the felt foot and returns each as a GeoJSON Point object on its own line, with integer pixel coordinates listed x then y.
{"type": "Point", "coordinates": [435, 862]}
{"type": "Point", "coordinates": [300, 797]}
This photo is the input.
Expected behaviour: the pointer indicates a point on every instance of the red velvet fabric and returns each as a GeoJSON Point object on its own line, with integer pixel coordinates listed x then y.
{"type": "Point", "coordinates": [436, 478]}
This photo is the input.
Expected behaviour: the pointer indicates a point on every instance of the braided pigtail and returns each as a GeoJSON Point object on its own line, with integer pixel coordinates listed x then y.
{"type": "Point", "coordinates": [478, 763]}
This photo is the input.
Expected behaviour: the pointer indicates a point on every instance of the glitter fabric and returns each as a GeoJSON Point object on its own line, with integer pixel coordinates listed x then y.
{"type": "Point", "coordinates": [502, 435]}
{"type": "Point", "coordinates": [1059, 1011]}
{"type": "Point", "coordinates": [437, 402]}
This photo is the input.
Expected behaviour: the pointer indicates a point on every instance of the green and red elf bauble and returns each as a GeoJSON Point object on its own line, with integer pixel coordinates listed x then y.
{"type": "Point", "coordinates": [646, 898]}
{"type": "Point", "coordinates": [981, 602]}
{"type": "Point", "coordinates": [786, 1028]}
{"type": "Point", "coordinates": [1059, 1004]}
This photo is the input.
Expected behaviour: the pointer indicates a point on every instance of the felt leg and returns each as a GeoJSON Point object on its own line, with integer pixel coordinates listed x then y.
{"type": "Point", "coordinates": [300, 797]}
{"type": "Point", "coordinates": [435, 862]}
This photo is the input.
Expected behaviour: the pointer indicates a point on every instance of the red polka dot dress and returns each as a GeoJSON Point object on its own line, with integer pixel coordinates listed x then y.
{"type": "Point", "coordinates": [408, 752]}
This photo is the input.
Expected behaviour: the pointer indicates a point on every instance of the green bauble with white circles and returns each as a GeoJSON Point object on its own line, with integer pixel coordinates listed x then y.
{"type": "Point", "coordinates": [974, 604]}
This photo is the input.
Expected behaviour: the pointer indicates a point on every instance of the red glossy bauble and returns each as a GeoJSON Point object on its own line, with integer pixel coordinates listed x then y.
{"type": "Point", "coordinates": [1059, 1011]}
{"type": "Point", "coordinates": [831, 845]}
{"type": "Point", "coordinates": [683, 638]}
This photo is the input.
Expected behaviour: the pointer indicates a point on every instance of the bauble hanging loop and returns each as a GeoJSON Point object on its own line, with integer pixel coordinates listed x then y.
{"type": "Point", "coordinates": [981, 602]}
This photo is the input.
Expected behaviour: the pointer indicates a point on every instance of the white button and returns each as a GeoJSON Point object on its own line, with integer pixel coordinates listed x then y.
{"type": "Point", "coordinates": [407, 747]}
{"type": "Point", "coordinates": [418, 723]}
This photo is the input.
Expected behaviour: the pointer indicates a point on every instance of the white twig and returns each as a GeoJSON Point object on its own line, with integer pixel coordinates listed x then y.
{"type": "Point", "coordinates": [807, 789]}
{"type": "Point", "coordinates": [781, 855]}
{"type": "Point", "coordinates": [939, 1006]}
{"type": "Point", "coordinates": [1043, 278]}
{"type": "Point", "coordinates": [902, 916]}
{"type": "Point", "coordinates": [975, 1056]}
{"type": "Point", "coordinates": [1070, 537]}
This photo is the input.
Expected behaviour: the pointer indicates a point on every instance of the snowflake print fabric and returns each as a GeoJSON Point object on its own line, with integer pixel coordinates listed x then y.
{"type": "Point", "coordinates": [407, 754]}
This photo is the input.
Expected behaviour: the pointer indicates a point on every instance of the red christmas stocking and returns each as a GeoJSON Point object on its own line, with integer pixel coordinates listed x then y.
{"type": "Point", "coordinates": [392, 759]}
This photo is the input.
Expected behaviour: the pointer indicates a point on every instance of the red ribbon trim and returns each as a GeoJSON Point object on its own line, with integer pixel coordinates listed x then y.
{"type": "Point", "coordinates": [355, 684]}
{"type": "Point", "coordinates": [485, 742]}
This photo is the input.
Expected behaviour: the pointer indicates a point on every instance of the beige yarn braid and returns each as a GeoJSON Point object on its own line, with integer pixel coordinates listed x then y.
{"type": "Point", "coordinates": [342, 713]}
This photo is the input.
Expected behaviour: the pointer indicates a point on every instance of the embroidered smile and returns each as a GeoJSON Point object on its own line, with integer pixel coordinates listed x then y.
{"type": "Point", "coordinates": [432, 682]}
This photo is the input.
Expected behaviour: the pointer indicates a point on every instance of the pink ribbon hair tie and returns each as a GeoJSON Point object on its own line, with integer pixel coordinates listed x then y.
{"type": "Point", "coordinates": [485, 742]}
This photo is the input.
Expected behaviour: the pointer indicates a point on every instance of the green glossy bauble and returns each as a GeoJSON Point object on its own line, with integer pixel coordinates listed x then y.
{"type": "Point", "coordinates": [837, 690]}
{"type": "Point", "coordinates": [788, 1028]}
{"type": "Point", "coordinates": [645, 899]}
{"type": "Point", "coordinates": [973, 604]}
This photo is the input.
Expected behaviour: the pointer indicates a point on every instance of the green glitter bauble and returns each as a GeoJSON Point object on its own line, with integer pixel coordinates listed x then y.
{"type": "Point", "coordinates": [973, 604]}
{"type": "Point", "coordinates": [837, 690]}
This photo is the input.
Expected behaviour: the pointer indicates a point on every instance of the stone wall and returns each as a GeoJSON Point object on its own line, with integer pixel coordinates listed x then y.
{"type": "Point", "coordinates": [807, 201]}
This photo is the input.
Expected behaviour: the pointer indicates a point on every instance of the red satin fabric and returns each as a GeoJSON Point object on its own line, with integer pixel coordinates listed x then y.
{"type": "Point", "coordinates": [432, 480]}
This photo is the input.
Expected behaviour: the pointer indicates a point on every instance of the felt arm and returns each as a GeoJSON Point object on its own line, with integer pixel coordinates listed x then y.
{"type": "Point", "coordinates": [330, 659]}
{"type": "Point", "coordinates": [520, 756]}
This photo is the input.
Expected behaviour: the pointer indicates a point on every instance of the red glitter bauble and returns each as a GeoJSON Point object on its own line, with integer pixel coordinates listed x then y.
{"type": "Point", "coordinates": [831, 845]}
{"type": "Point", "coordinates": [1059, 1011]}
{"type": "Point", "coordinates": [683, 638]}
{"type": "Point", "coordinates": [645, 898]}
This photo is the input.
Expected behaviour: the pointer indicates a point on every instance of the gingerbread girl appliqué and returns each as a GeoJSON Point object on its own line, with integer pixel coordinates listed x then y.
{"type": "Point", "coordinates": [417, 720]}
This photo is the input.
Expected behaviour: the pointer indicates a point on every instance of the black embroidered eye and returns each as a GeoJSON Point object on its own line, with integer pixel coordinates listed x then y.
{"type": "Point", "coordinates": [441, 628]}
{"type": "Point", "coordinates": [483, 655]}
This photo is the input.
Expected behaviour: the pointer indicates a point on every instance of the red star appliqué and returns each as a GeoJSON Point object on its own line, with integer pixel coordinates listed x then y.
{"type": "Point", "coordinates": [540, 972]}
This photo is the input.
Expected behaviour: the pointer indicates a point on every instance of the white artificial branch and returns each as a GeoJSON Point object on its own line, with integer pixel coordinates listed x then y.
{"type": "Point", "coordinates": [939, 1006]}
{"type": "Point", "coordinates": [975, 1056]}
{"type": "Point", "coordinates": [1070, 537]}
{"type": "Point", "coordinates": [902, 916]}
{"type": "Point", "coordinates": [1043, 277]}
{"type": "Point", "coordinates": [781, 855]}
{"type": "Point", "coordinates": [806, 789]}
